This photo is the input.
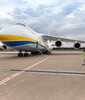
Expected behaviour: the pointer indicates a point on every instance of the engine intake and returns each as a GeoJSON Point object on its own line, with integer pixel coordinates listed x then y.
{"type": "Point", "coordinates": [58, 43]}
{"type": "Point", "coordinates": [77, 45]}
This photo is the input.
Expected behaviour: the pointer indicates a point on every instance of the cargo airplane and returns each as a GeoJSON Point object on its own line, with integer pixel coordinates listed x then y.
{"type": "Point", "coordinates": [23, 38]}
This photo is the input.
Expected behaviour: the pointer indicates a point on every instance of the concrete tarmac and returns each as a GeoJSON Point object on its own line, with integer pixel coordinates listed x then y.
{"type": "Point", "coordinates": [51, 77]}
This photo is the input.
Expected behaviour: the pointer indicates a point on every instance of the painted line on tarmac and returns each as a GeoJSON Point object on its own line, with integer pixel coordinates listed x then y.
{"type": "Point", "coordinates": [20, 72]}
{"type": "Point", "coordinates": [55, 72]}
{"type": "Point", "coordinates": [50, 72]}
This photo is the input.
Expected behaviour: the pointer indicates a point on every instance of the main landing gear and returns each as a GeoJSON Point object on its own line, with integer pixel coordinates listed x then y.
{"type": "Point", "coordinates": [23, 54]}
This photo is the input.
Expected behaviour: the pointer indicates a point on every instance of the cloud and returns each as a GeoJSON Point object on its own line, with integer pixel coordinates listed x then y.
{"type": "Point", "coordinates": [4, 13]}
{"type": "Point", "coordinates": [64, 18]}
{"type": "Point", "coordinates": [35, 3]}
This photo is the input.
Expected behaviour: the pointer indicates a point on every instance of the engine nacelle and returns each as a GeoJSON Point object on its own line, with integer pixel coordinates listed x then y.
{"type": "Point", "coordinates": [4, 47]}
{"type": "Point", "coordinates": [77, 45]}
{"type": "Point", "coordinates": [58, 43]}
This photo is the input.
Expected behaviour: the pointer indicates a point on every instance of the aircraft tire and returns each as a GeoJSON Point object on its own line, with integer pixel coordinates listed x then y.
{"type": "Point", "coordinates": [20, 54]}
{"type": "Point", "coordinates": [26, 54]}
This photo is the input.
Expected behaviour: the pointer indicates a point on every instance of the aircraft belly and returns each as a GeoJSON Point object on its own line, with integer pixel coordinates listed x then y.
{"type": "Point", "coordinates": [28, 47]}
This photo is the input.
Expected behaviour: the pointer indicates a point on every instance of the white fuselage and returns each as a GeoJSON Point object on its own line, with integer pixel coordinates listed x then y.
{"type": "Point", "coordinates": [22, 38]}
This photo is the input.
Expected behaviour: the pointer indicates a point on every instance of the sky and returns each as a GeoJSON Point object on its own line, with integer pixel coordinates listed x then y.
{"type": "Point", "coordinates": [60, 18]}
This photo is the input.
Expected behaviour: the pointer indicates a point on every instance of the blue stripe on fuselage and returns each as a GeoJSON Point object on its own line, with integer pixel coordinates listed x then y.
{"type": "Point", "coordinates": [18, 43]}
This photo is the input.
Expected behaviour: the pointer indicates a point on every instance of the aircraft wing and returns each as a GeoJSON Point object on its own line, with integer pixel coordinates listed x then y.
{"type": "Point", "coordinates": [47, 37]}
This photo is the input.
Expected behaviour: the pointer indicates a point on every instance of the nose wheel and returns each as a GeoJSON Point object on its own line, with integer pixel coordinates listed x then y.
{"type": "Point", "coordinates": [23, 54]}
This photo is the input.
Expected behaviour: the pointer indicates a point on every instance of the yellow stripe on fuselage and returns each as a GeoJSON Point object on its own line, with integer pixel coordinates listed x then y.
{"type": "Point", "coordinates": [16, 37]}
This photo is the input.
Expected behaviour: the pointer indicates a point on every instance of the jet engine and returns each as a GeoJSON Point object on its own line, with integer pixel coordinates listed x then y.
{"type": "Point", "coordinates": [77, 45]}
{"type": "Point", "coordinates": [58, 43]}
